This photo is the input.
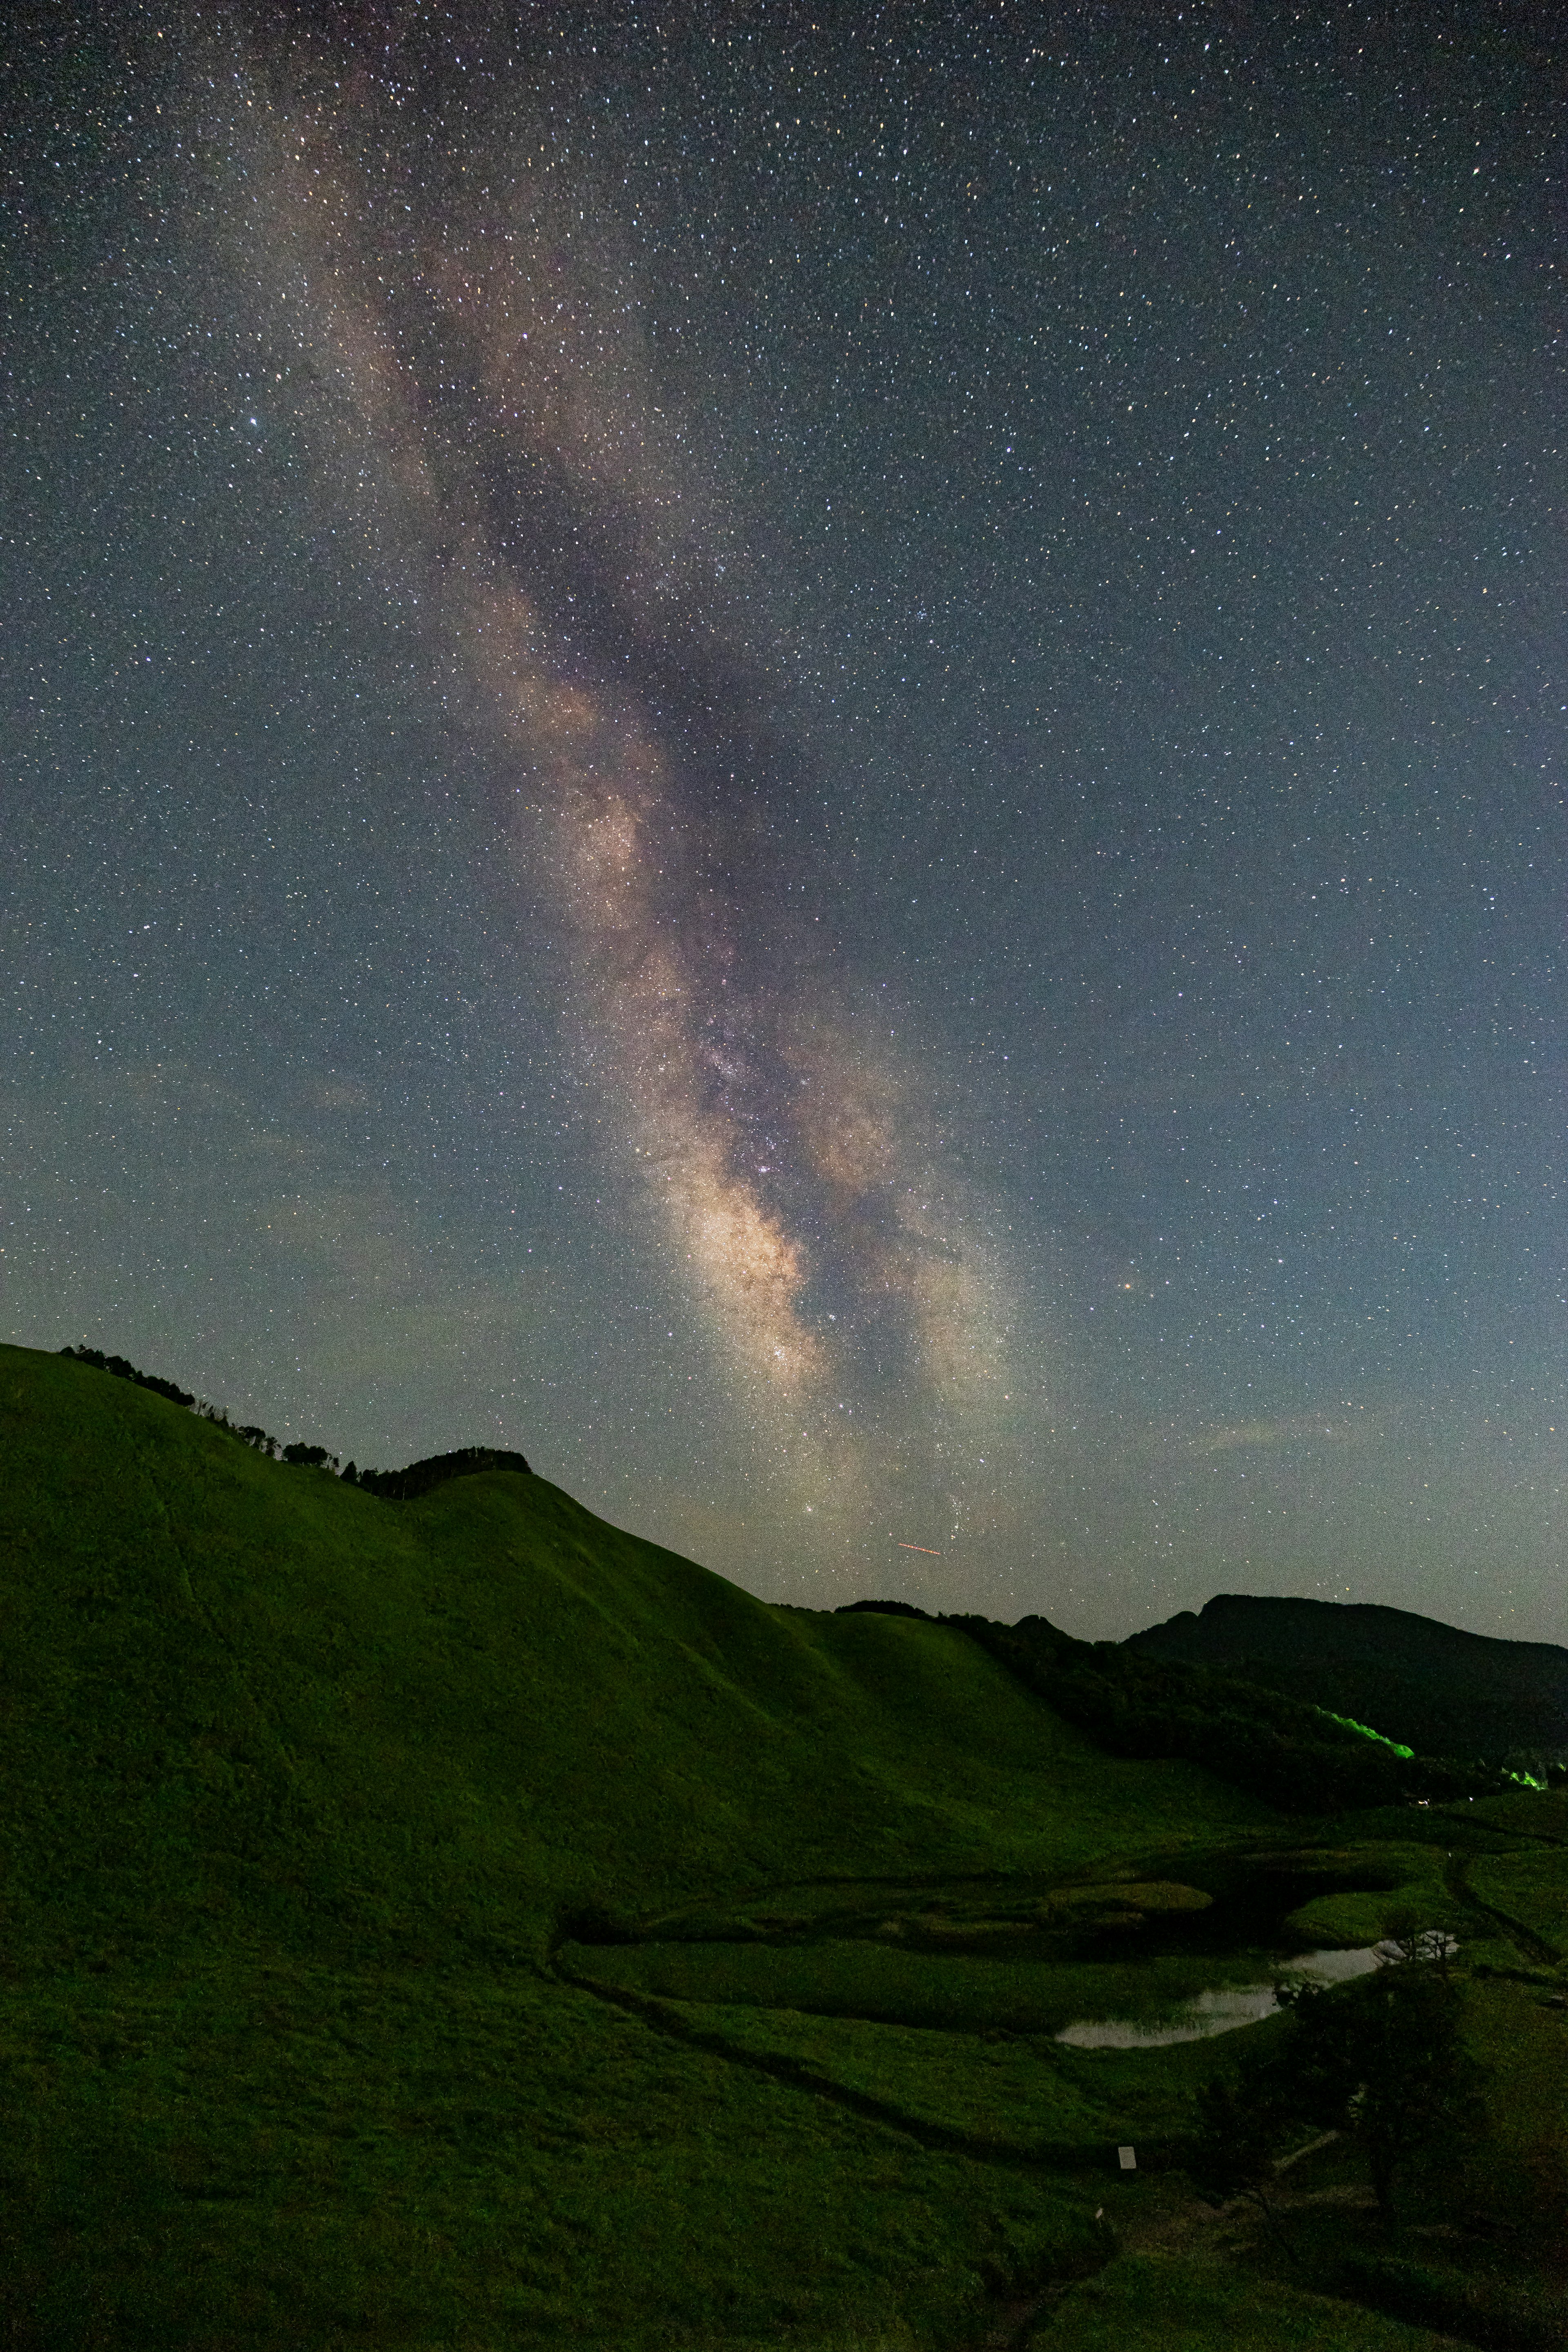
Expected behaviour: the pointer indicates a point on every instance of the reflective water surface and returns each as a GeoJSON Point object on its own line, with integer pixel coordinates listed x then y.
{"type": "Point", "coordinates": [1231, 2005]}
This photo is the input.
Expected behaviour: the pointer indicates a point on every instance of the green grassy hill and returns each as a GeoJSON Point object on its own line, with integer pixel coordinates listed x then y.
{"type": "Point", "coordinates": [456, 1923]}
{"type": "Point", "coordinates": [245, 1693]}
{"type": "Point", "coordinates": [300, 1785]}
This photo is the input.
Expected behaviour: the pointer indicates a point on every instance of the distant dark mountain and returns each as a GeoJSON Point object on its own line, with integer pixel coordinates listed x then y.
{"type": "Point", "coordinates": [1437, 1689]}
{"type": "Point", "coordinates": [1289, 1753]}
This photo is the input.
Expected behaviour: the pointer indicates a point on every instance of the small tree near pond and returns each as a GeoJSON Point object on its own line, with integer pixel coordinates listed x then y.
{"type": "Point", "coordinates": [1409, 1941]}
{"type": "Point", "coordinates": [1381, 2060]}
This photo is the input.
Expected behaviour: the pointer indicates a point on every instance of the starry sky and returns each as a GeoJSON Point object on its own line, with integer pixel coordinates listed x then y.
{"type": "Point", "coordinates": [814, 760]}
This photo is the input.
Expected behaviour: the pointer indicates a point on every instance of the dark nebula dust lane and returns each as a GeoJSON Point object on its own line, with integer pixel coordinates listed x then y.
{"type": "Point", "coordinates": [814, 762]}
{"type": "Point", "coordinates": [573, 553]}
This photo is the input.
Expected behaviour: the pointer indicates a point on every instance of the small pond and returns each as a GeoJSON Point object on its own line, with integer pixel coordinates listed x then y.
{"type": "Point", "coordinates": [1229, 2006]}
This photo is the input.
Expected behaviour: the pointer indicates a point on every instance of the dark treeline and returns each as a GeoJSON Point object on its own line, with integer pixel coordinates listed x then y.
{"type": "Point", "coordinates": [1291, 1754]}
{"type": "Point", "coordinates": [407, 1486]}
{"type": "Point", "coordinates": [390, 1486]}
{"type": "Point", "coordinates": [124, 1371]}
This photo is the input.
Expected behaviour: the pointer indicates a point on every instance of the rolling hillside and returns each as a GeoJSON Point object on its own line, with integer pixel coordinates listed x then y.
{"type": "Point", "coordinates": [302, 1785]}
{"type": "Point", "coordinates": [451, 1921]}
{"type": "Point", "coordinates": [244, 1689]}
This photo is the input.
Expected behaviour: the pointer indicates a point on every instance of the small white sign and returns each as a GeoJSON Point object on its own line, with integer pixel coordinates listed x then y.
{"type": "Point", "coordinates": [1127, 2160]}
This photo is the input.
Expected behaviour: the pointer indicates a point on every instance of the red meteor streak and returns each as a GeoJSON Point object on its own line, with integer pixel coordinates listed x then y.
{"type": "Point", "coordinates": [925, 1548]}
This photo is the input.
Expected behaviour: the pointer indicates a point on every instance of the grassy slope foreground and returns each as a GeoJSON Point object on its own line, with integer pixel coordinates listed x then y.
{"type": "Point", "coordinates": [300, 1784]}
{"type": "Point", "coordinates": [327, 1817]}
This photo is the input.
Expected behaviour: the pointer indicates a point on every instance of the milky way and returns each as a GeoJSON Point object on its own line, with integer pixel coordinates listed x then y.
{"type": "Point", "coordinates": [814, 762]}
{"type": "Point", "coordinates": [487, 402]}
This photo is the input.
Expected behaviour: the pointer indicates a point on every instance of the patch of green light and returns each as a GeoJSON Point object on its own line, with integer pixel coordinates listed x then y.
{"type": "Point", "coordinates": [1365, 1730]}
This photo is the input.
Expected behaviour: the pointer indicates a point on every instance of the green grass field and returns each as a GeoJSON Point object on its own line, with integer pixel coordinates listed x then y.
{"type": "Point", "coordinates": [460, 1923]}
{"type": "Point", "coordinates": [947, 1991]}
{"type": "Point", "coordinates": [1153, 2302]}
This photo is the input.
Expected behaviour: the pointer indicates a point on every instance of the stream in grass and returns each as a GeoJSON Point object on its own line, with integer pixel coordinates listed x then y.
{"type": "Point", "coordinates": [1228, 2006]}
{"type": "Point", "coordinates": [1127, 1963]}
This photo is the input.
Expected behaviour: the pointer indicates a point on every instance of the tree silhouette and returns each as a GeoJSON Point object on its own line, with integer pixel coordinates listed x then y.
{"type": "Point", "coordinates": [1381, 2060]}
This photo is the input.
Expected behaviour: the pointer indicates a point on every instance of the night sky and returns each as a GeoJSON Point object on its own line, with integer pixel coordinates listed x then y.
{"type": "Point", "coordinates": [813, 761]}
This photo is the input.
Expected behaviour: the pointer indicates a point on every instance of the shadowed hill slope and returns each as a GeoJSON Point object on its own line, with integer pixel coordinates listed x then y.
{"type": "Point", "coordinates": [1292, 1755]}
{"type": "Point", "coordinates": [245, 1697]}
{"type": "Point", "coordinates": [1437, 1689]}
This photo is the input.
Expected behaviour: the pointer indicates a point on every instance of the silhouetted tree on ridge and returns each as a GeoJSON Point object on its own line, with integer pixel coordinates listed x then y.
{"type": "Point", "coordinates": [403, 1485]}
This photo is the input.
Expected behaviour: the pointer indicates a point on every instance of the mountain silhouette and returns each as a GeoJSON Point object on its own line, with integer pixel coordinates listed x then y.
{"type": "Point", "coordinates": [1430, 1686]}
